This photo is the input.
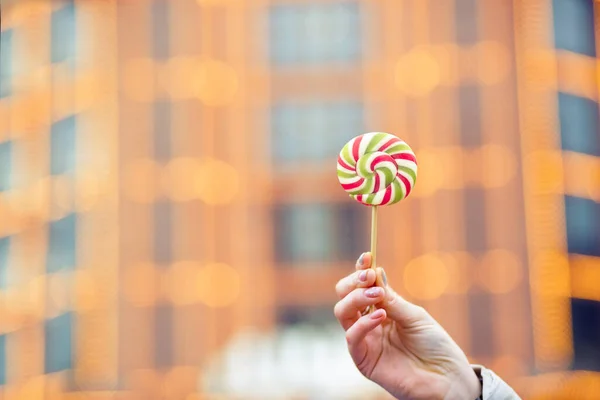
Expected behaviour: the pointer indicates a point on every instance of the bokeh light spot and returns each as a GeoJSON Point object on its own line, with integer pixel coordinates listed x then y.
{"type": "Point", "coordinates": [499, 165]}
{"type": "Point", "coordinates": [216, 83]}
{"type": "Point", "coordinates": [430, 170]}
{"type": "Point", "coordinates": [138, 79]}
{"type": "Point", "coordinates": [417, 73]}
{"type": "Point", "coordinates": [218, 285]}
{"type": "Point", "coordinates": [181, 285]}
{"type": "Point", "coordinates": [88, 191]}
{"type": "Point", "coordinates": [500, 271]}
{"type": "Point", "coordinates": [426, 277]}
{"type": "Point", "coordinates": [178, 73]}
{"type": "Point", "coordinates": [217, 182]}
{"type": "Point", "coordinates": [547, 167]}
{"type": "Point", "coordinates": [86, 290]}
{"type": "Point", "coordinates": [140, 282]}
{"type": "Point", "coordinates": [140, 180]}
{"type": "Point", "coordinates": [179, 177]}
{"type": "Point", "coordinates": [493, 62]}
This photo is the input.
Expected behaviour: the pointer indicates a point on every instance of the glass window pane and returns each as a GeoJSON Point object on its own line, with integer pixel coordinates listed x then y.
{"type": "Point", "coordinates": [352, 231]}
{"type": "Point", "coordinates": [315, 131]}
{"type": "Point", "coordinates": [319, 232]}
{"type": "Point", "coordinates": [574, 26]}
{"type": "Point", "coordinates": [470, 115]}
{"type": "Point", "coordinates": [62, 244]}
{"type": "Point", "coordinates": [586, 334]}
{"type": "Point", "coordinates": [62, 146]}
{"type": "Point", "coordinates": [466, 22]}
{"type": "Point", "coordinates": [315, 33]}
{"type": "Point", "coordinates": [162, 134]}
{"type": "Point", "coordinates": [6, 63]}
{"type": "Point", "coordinates": [305, 315]}
{"type": "Point", "coordinates": [5, 166]}
{"type": "Point", "coordinates": [579, 124]}
{"type": "Point", "coordinates": [163, 225]}
{"type": "Point", "coordinates": [583, 227]}
{"type": "Point", "coordinates": [160, 29]}
{"type": "Point", "coordinates": [58, 344]}
{"type": "Point", "coordinates": [303, 233]}
{"type": "Point", "coordinates": [63, 33]}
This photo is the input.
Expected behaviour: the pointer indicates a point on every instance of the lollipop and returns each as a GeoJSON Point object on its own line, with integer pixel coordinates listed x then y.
{"type": "Point", "coordinates": [377, 169]}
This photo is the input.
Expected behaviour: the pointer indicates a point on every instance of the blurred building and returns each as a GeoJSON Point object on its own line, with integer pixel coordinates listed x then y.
{"type": "Point", "coordinates": [168, 200]}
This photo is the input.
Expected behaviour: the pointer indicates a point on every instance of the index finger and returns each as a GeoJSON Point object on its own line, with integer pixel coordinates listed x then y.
{"type": "Point", "coordinates": [358, 279]}
{"type": "Point", "coordinates": [364, 261]}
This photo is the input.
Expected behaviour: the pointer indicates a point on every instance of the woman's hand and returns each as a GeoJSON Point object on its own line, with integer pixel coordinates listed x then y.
{"type": "Point", "coordinates": [400, 346]}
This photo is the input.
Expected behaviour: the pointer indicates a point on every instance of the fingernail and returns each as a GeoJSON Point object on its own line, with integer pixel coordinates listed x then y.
{"type": "Point", "coordinates": [384, 277]}
{"type": "Point", "coordinates": [374, 292]}
{"type": "Point", "coordinates": [363, 276]}
{"type": "Point", "coordinates": [361, 259]}
{"type": "Point", "coordinates": [377, 314]}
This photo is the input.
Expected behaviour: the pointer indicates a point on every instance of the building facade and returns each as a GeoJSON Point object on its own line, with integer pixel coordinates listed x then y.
{"type": "Point", "coordinates": [167, 184]}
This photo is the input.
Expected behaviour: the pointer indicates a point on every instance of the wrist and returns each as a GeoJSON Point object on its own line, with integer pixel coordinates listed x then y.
{"type": "Point", "coordinates": [466, 386]}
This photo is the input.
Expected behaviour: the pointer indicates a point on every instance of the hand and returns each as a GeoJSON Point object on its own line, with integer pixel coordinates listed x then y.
{"type": "Point", "coordinates": [400, 346]}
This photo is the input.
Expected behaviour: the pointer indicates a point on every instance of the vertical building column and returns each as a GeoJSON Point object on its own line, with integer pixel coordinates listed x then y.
{"type": "Point", "coordinates": [542, 183]}
{"type": "Point", "coordinates": [502, 270]}
{"type": "Point", "coordinates": [97, 199]}
{"type": "Point", "coordinates": [139, 184]}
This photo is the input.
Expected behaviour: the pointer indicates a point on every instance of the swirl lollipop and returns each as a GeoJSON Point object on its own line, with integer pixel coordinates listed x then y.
{"type": "Point", "coordinates": [377, 169]}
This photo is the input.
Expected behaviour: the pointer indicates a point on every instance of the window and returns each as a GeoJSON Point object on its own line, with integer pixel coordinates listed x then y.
{"type": "Point", "coordinates": [466, 22]}
{"type": "Point", "coordinates": [62, 146]}
{"type": "Point", "coordinates": [579, 124]}
{"type": "Point", "coordinates": [306, 315]}
{"type": "Point", "coordinates": [4, 257]}
{"type": "Point", "coordinates": [5, 166]}
{"type": "Point", "coordinates": [314, 33]}
{"type": "Point", "coordinates": [62, 244]}
{"type": "Point", "coordinates": [6, 63]}
{"type": "Point", "coordinates": [318, 232]}
{"type": "Point", "coordinates": [162, 131]}
{"type": "Point", "coordinates": [163, 223]}
{"type": "Point", "coordinates": [163, 335]}
{"type": "Point", "coordinates": [313, 131]}
{"type": "Point", "coordinates": [586, 334]}
{"type": "Point", "coordinates": [583, 230]}
{"type": "Point", "coordinates": [480, 318]}
{"type": "Point", "coordinates": [475, 219]}
{"type": "Point", "coordinates": [58, 337]}
{"type": "Point", "coordinates": [470, 115]}
{"type": "Point", "coordinates": [2, 359]}
{"type": "Point", "coordinates": [63, 33]}
{"type": "Point", "coordinates": [160, 29]}
{"type": "Point", "coordinates": [574, 26]}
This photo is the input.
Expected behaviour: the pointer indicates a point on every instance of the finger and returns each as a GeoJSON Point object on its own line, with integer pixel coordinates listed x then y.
{"type": "Point", "coordinates": [347, 310]}
{"type": "Point", "coordinates": [355, 335]}
{"type": "Point", "coordinates": [399, 309]}
{"type": "Point", "coordinates": [364, 261]}
{"type": "Point", "coordinates": [359, 279]}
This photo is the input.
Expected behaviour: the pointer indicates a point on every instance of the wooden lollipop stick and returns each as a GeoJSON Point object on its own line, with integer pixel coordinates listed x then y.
{"type": "Point", "coordinates": [378, 281]}
{"type": "Point", "coordinates": [373, 237]}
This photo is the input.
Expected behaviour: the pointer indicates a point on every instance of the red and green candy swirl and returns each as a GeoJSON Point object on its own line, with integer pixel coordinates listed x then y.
{"type": "Point", "coordinates": [377, 169]}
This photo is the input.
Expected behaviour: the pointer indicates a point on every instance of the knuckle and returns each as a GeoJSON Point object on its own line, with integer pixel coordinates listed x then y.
{"type": "Point", "coordinates": [339, 287]}
{"type": "Point", "coordinates": [349, 339]}
{"type": "Point", "coordinates": [337, 310]}
{"type": "Point", "coordinates": [357, 298]}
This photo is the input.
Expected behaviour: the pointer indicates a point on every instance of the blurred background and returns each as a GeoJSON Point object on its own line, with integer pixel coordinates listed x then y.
{"type": "Point", "coordinates": [171, 225]}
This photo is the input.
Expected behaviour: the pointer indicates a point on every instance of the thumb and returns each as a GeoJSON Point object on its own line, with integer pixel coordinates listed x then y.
{"type": "Point", "coordinates": [398, 309]}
